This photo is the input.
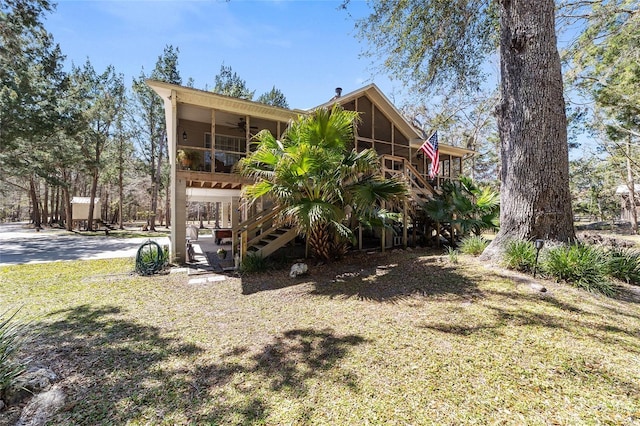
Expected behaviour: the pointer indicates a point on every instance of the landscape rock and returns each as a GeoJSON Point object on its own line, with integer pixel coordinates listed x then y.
{"type": "Point", "coordinates": [41, 407]}
{"type": "Point", "coordinates": [34, 380]}
{"type": "Point", "coordinates": [298, 269]}
{"type": "Point", "coordinates": [538, 287]}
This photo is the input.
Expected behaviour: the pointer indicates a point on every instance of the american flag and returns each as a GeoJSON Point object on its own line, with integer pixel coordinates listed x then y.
{"type": "Point", "coordinates": [430, 148]}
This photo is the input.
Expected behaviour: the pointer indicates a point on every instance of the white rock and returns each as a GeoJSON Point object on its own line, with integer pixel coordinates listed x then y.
{"type": "Point", "coordinates": [42, 407]}
{"type": "Point", "coordinates": [298, 269]}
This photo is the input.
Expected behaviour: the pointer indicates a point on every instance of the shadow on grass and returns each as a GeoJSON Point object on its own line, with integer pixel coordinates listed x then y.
{"type": "Point", "coordinates": [513, 309]}
{"type": "Point", "coordinates": [116, 371]}
{"type": "Point", "coordinates": [394, 278]}
{"type": "Point", "coordinates": [266, 281]}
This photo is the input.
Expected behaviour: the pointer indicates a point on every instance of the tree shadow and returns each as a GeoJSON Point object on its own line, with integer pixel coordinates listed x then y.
{"type": "Point", "coordinates": [520, 314]}
{"type": "Point", "coordinates": [114, 370]}
{"type": "Point", "coordinates": [267, 281]}
{"type": "Point", "coordinates": [395, 278]}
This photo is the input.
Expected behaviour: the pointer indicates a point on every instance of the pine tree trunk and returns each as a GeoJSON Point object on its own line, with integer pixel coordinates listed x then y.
{"type": "Point", "coordinates": [45, 206]}
{"type": "Point", "coordinates": [93, 192]}
{"type": "Point", "coordinates": [66, 203]}
{"type": "Point", "coordinates": [632, 189]}
{"type": "Point", "coordinates": [35, 212]}
{"type": "Point", "coordinates": [535, 201]}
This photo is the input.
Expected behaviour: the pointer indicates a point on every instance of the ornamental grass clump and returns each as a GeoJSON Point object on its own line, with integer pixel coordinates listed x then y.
{"type": "Point", "coordinates": [253, 263]}
{"type": "Point", "coordinates": [453, 254]}
{"type": "Point", "coordinates": [11, 336]}
{"type": "Point", "coordinates": [624, 264]}
{"type": "Point", "coordinates": [519, 255]}
{"type": "Point", "coordinates": [580, 265]}
{"type": "Point", "coordinates": [473, 245]}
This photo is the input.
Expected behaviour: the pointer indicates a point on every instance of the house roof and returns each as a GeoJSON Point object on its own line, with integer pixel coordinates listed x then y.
{"type": "Point", "coordinates": [84, 200]}
{"type": "Point", "coordinates": [388, 108]}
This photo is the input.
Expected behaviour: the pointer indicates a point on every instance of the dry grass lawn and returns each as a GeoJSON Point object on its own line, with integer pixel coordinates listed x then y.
{"type": "Point", "coordinates": [396, 339]}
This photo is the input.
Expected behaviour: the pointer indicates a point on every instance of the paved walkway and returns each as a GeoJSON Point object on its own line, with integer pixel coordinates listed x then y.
{"type": "Point", "coordinates": [20, 244]}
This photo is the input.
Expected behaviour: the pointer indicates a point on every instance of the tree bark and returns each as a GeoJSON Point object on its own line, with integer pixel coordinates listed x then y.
{"type": "Point", "coordinates": [35, 212]}
{"type": "Point", "coordinates": [66, 203]}
{"type": "Point", "coordinates": [535, 197]}
{"type": "Point", "coordinates": [92, 195]}
{"type": "Point", "coordinates": [632, 189]}
{"type": "Point", "coordinates": [45, 206]}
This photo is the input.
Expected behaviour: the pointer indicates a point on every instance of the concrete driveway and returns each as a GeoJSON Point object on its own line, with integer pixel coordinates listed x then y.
{"type": "Point", "coordinates": [19, 244]}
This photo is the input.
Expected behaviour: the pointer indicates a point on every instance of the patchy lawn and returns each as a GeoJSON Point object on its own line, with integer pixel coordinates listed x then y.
{"type": "Point", "coordinates": [402, 338]}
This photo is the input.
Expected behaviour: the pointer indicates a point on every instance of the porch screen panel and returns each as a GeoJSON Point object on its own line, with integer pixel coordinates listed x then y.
{"type": "Point", "coordinates": [383, 148]}
{"type": "Point", "coordinates": [228, 151]}
{"type": "Point", "coordinates": [401, 151]}
{"type": "Point", "coordinates": [349, 106]}
{"type": "Point", "coordinates": [382, 126]}
{"type": "Point", "coordinates": [399, 138]}
{"type": "Point", "coordinates": [365, 129]}
{"type": "Point", "coordinates": [362, 145]}
{"type": "Point", "coordinates": [455, 167]}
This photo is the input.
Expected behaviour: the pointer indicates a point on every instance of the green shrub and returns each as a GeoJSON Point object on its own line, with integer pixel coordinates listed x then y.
{"type": "Point", "coordinates": [473, 245]}
{"type": "Point", "coordinates": [519, 255]}
{"type": "Point", "coordinates": [254, 263]}
{"type": "Point", "coordinates": [11, 336]}
{"type": "Point", "coordinates": [580, 265]}
{"type": "Point", "coordinates": [624, 264]}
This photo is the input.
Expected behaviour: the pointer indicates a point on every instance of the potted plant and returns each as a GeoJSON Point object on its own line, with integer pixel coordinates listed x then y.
{"type": "Point", "coordinates": [222, 253]}
{"type": "Point", "coordinates": [187, 158]}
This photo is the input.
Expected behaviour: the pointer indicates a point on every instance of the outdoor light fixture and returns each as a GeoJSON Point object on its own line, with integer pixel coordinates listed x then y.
{"type": "Point", "coordinates": [184, 135]}
{"type": "Point", "coordinates": [538, 244]}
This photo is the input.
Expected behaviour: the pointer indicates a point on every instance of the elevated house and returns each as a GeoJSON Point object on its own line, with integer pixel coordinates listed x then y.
{"type": "Point", "coordinates": [209, 133]}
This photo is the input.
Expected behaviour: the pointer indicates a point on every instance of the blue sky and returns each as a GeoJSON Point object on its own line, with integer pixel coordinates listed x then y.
{"type": "Point", "coordinates": [305, 48]}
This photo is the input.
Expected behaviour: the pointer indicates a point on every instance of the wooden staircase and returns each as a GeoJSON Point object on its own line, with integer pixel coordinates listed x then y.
{"type": "Point", "coordinates": [421, 190]}
{"type": "Point", "coordinates": [260, 235]}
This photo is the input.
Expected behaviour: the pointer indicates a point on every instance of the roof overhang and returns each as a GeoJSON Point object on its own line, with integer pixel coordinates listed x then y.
{"type": "Point", "coordinates": [193, 99]}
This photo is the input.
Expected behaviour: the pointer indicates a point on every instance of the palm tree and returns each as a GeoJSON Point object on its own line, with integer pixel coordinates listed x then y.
{"type": "Point", "coordinates": [321, 185]}
{"type": "Point", "coordinates": [465, 206]}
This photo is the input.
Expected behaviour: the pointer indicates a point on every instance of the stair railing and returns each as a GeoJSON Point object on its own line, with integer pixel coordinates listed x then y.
{"type": "Point", "coordinates": [241, 233]}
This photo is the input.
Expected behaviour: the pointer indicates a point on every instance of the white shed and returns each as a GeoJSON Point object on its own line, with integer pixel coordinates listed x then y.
{"type": "Point", "coordinates": [80, 208]}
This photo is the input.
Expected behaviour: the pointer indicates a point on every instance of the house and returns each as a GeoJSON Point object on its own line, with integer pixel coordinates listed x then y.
{"type": "Point", "coordinates": [208, 133]}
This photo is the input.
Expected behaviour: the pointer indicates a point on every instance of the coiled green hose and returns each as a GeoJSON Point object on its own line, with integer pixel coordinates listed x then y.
{"type": "Point", "coordinates": [150, 258]}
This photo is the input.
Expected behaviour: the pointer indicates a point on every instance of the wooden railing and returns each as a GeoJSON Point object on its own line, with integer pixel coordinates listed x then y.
{"type": "Point", "coordinates": [240, 233]}
{"type": "Point", "coordinates": [261, 232]}
{"type": "Point", "coordinates": [420, 188]}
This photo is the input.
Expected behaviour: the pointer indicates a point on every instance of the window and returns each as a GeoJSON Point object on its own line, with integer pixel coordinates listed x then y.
{"type": "Point", "coordinates": [231, 144]}
{"type": "Point", "coordinates": [228, 151]}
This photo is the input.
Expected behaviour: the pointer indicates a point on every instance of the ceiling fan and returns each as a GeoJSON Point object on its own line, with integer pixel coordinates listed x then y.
{"type": "Point", "coordinates": [242, 125]}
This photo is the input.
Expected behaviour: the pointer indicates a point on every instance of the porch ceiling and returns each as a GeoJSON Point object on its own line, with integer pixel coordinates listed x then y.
{"type": "Point", "coordinates": [217, 181]}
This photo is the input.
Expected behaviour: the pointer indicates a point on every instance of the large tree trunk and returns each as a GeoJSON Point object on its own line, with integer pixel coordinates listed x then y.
{"type": "Point", "coordinates": [632, 189]}
{"type": "Point", "coordinates": [535, 197]}
{"type": "Point", "coordinates": [92, 195]}
{"type": "Point", "coordinates": [35, 212]}
{"type": "Point", "coordinates": [66, 203]}
{"type": "Point", "coordinates": [45, 206]}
